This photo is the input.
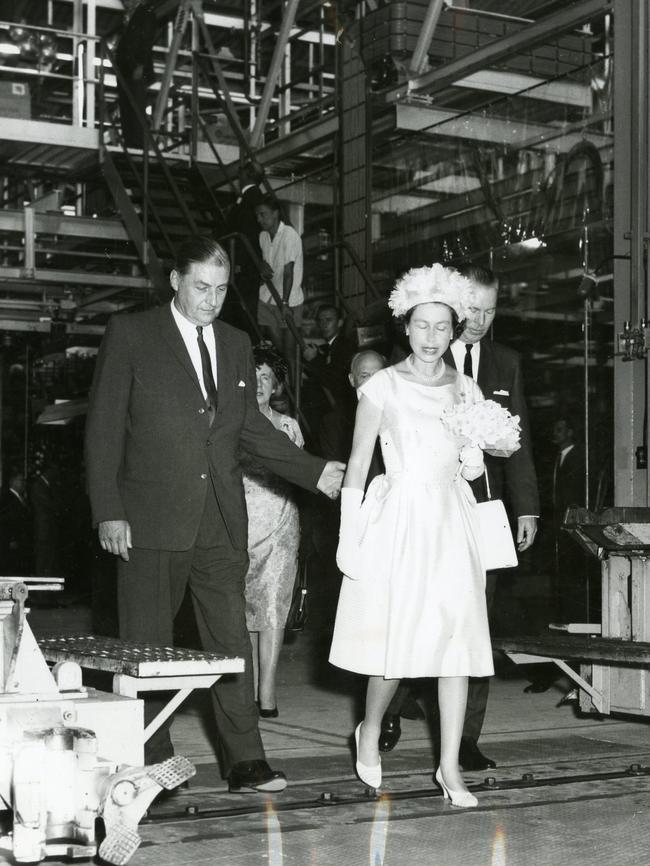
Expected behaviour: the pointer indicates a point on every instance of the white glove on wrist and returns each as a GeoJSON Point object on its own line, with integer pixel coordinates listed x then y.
{"type": "Point", "coordinates": [471, 459]}
{"type": "Point", "coordinates": [348, 552]}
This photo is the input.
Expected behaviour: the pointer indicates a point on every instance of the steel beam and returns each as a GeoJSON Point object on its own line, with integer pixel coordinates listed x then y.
{"type": "Point", "coordinates": [45, 277]}
{"type": "Point", "coordinates": [274, 71]}
{"type": "Point", "coordinates": [533, 34]}
{"type": "Point", "coordinates": [78, 227]}
{"type": "Point", "coordinates": [46, 327]}
{"type": "Point", "coordinates": [419, 61]}
{"type": "Point", "coordinates": [476, 128]}
{"type": "Point", "coordinates": [631, 197]}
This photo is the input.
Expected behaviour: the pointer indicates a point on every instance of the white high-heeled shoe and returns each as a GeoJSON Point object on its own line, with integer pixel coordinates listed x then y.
{"type": "Point", "coordinates": [460, 799]}
{"type": "Point", "coordinates": [370, 776]}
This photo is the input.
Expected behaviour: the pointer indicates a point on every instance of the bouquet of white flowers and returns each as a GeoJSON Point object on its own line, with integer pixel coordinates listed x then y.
{"type": "Point", "coordinates": [486, 424]}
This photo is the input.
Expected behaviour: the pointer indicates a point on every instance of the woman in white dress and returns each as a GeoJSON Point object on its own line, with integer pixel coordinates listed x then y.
{"type": "Point", "coordinates": [412, 601]}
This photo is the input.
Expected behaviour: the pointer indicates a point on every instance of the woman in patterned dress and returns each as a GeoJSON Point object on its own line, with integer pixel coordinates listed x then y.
{"type": "Point", "coordinates": [273, 539]}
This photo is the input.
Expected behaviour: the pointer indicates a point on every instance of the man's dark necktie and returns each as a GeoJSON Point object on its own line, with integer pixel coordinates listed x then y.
{"type": "Point", "coordinates": [467, 363]}
{"type": "Point", "coordinates": [208, 378]}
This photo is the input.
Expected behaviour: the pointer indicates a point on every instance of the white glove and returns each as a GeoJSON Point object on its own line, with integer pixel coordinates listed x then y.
{"type": "Point", "coordinates": [348, 553]}
{"type": "Point", "coordinates": [471, 460]}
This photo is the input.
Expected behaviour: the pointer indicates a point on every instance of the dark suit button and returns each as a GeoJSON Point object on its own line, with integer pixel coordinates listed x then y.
{"type": "Point", "coordinates": [201, 411]}
{"type": "Point", "coordinates": [208, 443]}
{"type": "Point", "coordinates": [204, 475]}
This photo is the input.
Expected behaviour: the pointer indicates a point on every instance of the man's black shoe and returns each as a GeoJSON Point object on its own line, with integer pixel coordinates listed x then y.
{"type": "Point", "coordinates": [390, 733]}
{"type": "Point", "coordinates": [470, 756]}
{"type": "Point", "coordinates": [249, 777]}
{"type": "Point", "coordinates": [410, 709]}
{"type": "Point", "coordinates": [538, 686]}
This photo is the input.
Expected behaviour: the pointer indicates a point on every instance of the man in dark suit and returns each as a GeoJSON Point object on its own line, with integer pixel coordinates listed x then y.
{"type": "Point", "coordinates": [134, 59]}
{"type": "Point", "coordinates": [327, 366]}
{"type": "Point", "coordinates": [571, 572]}
{"type": "Point", "coordinates": [15, 522]}
{"type": "Point", "coordinates": [172, 402]}
{"type": "Point", "coordinates": [48, 510]}
{"type": "Point", "coordinates": [337, 427]}
{"type": "Point", "coordinates": [242, 220]}
{"type": "Point", "coordinates": [497, 370]}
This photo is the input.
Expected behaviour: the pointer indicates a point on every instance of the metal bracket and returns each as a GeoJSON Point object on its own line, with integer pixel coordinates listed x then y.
{"type": "Point", "coordinates": [634, 342]}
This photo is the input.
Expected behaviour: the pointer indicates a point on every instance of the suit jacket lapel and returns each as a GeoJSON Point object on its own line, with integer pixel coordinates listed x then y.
{"type": "Point", "coordinates": [486, 369]}
{"type": "Point", "coordinates": [172, 337]}
{"type": "Point", "coordinates": [225, 371]}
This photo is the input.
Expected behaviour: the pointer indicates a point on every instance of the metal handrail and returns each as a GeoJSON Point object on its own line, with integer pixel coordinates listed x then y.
{"type": "Point", "coordinates": [356, 261]}
{"type": "Point", "coordinates": [294, 393]}
{"type": "Point", "coordinates": [259, 266]}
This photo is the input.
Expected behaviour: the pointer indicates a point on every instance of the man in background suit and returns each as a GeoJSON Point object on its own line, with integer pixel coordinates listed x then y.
{"type": "Point", "coordinates": [134, 60]}
{"type": "Point", "coordinates": [568, 489]}
{"type": "Point", "coordinates": [328, 364]}
{"type": "Point", "coordinates": [48, 509]}
{"type": "Point", "coordinates": [337, 427]}
{"type": "Point", "coordinates": [497, 370]}
{"type": "Point", "coordinates": [242, 220]}
{"type": "Point", "coordinates": [172, 402]}
{"type": "Point", "coordinates": [15, 524]}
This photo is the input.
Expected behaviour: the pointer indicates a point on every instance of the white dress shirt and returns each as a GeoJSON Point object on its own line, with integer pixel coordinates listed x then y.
{"type": "Point", "coordinates": [190, 338]}
{"type": "Point", "coordinates": [285, 247]}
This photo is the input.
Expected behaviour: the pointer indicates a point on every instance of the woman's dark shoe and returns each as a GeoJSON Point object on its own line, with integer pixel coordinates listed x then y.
{"type": "Point", "coordinates": [268, 714]}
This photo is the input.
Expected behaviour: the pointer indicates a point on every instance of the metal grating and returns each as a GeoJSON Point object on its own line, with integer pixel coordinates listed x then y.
{"type": "Point", "coordinates": [135, 659]}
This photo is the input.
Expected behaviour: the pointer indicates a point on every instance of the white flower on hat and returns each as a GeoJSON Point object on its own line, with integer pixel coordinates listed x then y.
{"type": "Point", "coordinates": [435, 284]}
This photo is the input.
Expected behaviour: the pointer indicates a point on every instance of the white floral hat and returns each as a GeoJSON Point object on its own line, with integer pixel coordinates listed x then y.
{"type": "Point", "coordinates": [431, 284]}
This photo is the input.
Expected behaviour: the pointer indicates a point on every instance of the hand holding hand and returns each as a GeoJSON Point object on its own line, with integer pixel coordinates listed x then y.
{"type": "Point", "coordinates": [526, 532]}
{"type": "Point", "coordinates": [348, 553]}
{"type": "Point", "coordinates": [115, 537]}
{"type": "Point", "coordinates": [471, 459]}
{"type": "Point", "coordinates": [331, 479]}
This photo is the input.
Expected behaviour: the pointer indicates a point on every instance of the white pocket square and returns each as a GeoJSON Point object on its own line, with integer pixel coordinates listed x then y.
{"type": "Point", "coordinates": [241, 384]}
{"type": "Point", "coordinates": [502, 393]}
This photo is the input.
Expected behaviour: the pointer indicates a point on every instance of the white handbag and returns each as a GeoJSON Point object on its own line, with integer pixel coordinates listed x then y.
{"type": "Point", "coordinates": [497, 545]}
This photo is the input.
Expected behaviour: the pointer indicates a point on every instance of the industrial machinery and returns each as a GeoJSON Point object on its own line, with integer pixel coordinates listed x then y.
{"type": "Point", "coordinates": [68, 754]}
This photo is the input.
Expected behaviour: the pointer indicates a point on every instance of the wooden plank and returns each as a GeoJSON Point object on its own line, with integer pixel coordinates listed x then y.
{"type": "Point", "coordinates": [577, 647]}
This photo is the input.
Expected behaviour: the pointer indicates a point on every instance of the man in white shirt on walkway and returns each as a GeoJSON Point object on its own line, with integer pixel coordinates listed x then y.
{"type": "Point", "coordinates": [283, 260]}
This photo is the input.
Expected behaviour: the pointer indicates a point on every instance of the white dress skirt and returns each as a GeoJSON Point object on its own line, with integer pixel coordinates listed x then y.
{"type": "Point", "coordinates": [418, 608]}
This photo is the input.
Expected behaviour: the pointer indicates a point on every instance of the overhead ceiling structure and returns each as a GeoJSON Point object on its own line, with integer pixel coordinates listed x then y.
{"type": "Point", "coordinates": [499, 148]}
{"type": "Point", "coordinates": [467, 150]}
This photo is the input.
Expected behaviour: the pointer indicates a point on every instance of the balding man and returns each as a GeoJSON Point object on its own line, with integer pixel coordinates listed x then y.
{"type": "Point", "coordinates": [337, 426]}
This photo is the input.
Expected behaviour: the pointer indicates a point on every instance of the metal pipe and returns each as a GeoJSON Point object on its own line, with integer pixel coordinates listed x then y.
{"type": "Point", "coordinates": [586, 337]}
{"type": "Point", "coordinates": [26, 426]}
{"type": "Point", "coordinates": [91, 26]}
{"type": "Point", "coordinates": [274, 71]}
{"type": "Point", "coordinates": [419, 61]}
